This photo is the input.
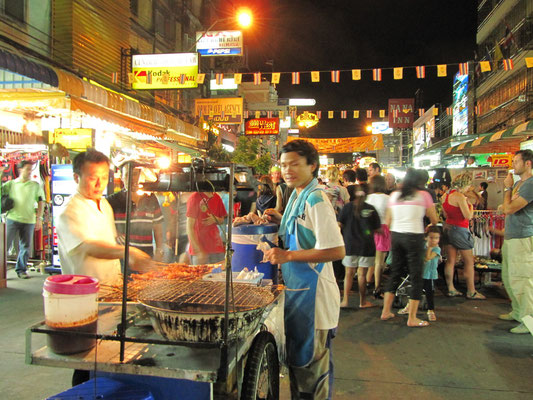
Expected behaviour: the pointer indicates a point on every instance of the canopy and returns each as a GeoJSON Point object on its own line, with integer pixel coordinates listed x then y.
{"type": "Point", "coordinates": [345, 145]}
{"type": "Point", "coordinates": [506, 140]}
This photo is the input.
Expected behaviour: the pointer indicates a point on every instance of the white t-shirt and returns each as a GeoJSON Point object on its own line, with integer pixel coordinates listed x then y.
{"type": "Point", "coordinates": [319, 230]}
{"type": "Point", "coordinates": [408, 214]}
{"type": "Point", "coordinates": [79, 221]}
{"type": "Point", "coordinates": [380, 202]}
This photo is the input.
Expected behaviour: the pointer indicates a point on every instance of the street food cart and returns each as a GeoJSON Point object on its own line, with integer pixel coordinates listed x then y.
{"type": "Point", "coordinates": [197, 339]}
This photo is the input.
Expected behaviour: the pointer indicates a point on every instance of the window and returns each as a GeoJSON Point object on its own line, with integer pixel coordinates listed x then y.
{"type": "Point", "coordinates": [15, 9]}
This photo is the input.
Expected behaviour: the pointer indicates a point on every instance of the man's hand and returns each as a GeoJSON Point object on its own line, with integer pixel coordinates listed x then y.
{"type": "Point", "coordinates": [38, 224]}
{"type": "Point", "coordinates": [140, 261]}
{"type": "Point", "coordinates": [277, 255]}
{"type": "Point", "coordinates": [272, 215]}
{"type": "Point", "coordinates": [211, 220]}
{"type": "Point", "coordinates": [509, 181]}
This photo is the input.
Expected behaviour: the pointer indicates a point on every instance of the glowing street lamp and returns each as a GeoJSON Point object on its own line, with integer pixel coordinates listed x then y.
{"type": "Point", "coordinates": [368, 128]}
{"type": "Point", "coordinates": [244, 17]}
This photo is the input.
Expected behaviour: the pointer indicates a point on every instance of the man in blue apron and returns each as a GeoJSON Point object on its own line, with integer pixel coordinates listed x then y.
{"type": "Point", "coordinates": [312, 299]}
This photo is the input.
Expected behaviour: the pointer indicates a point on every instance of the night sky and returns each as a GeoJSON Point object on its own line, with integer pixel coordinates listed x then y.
{"type": "Point", "coordinates": [305, 35]}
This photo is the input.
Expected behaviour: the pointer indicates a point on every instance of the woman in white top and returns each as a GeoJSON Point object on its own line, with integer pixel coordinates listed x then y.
{"type": "Point", "coordinates": [380, 201]}
{"type": "Point", "coordinates": [405, 218]}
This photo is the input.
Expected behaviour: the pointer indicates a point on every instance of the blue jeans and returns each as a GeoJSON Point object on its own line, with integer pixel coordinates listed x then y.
{"type": "Point", "coordinates": [25, 232]}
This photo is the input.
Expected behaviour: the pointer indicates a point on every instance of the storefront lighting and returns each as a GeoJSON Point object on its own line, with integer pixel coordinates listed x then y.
{"type": "Point", "coordinates": [302, 102]}
{"type": "Point", "coordinates": [227, 147]}
{"type": "Point", "coordinates": [163, 162]}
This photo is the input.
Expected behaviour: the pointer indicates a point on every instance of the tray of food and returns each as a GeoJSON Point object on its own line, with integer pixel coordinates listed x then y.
{"type": "Point", "coordinates": [245, 276]}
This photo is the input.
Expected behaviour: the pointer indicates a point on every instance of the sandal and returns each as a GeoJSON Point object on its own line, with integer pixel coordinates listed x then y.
{"type": "Point", "coordinates": [475, 296]}
{"type": "Point", "coordinates": [404, 311]}
{"type": "Point", "coordinates": [378, 294]}
{"type": "Point", "coordinates": [421, 324]}
{"type": "Point", "coordinates": [431, 316]}
{"type": "Point", "coordinates": [454, 293]}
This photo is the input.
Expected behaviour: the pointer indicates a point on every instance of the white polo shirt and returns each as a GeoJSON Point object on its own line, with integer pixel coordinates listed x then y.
{"type": "Point", "coordinates": [80, 221]}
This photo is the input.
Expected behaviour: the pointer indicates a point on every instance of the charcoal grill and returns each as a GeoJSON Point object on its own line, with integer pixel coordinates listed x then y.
{"type": "Point", "coordinates": [194, 311]}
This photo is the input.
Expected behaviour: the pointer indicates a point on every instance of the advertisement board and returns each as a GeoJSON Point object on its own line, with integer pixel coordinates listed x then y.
{"type": "Point", "coordinates": [460, 105]}
{"type": "Point", "coordinates": [221, 110]}
{"type": "Point", "coordinates": [423, 131]}
{"type": "Point", "coordinates": [219, 43]}
{"type": "Point", "coordinates": [262, 126]}
{"type": "Point", "coordinates": [401, 113]}
{"type": "Point", "coordinates": [164, 71]}
{"type": "Point", "coordinates": [73, 139]}
{"type": "Point", "coordinates": [381, 127]}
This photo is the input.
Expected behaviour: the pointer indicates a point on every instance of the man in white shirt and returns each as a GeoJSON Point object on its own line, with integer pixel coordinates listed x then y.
{"type": "Point", "coordinates": [86, 227]}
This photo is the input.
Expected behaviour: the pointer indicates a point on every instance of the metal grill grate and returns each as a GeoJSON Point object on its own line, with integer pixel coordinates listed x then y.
{"type": "Point", "coordinates": [180, 295]}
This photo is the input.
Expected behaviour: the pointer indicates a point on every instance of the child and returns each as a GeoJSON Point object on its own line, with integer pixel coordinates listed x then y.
{"type": "Point", "coordinates": [358, 221]}
{"type": "Point", "coordinates": [430, 267]}
{"type": "Point", "coordinates": [430, 274]}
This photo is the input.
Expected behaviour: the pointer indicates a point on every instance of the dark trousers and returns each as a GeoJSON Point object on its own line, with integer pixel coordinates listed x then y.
{"type": "Point", "coordinates": [430, 291]}
{"type": "Point", "coordinates": [25, 232]}
{"type": "Point", "coordinates": [407, 255]}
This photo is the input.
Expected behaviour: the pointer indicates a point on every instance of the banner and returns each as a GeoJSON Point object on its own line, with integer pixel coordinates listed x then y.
{"type": "Point", "coordinates": [219, 43]}
{"type": "Point", "coordinates": [501, 160]}
{"type": "Point", "coordinates": [345, 145]}
{"type": "Point", "coordinates": [222, 110]}
{"type": "Point", "coordinates": [404, 115]}
{"type": "Point", "coordinates": [164, 71]}
{"type": "Point", "coordinates": [73, 139]}
{"type": "Point", "coordinates": [262, 126]}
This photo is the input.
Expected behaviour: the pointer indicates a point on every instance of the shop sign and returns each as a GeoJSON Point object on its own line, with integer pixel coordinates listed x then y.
{"type": "Point", "coordinates": [307, 119]}
{"type": "Point", "coordinates": [220, 110]}
{"type": "Point", "coordinates": [165, 71]}
{"type": "Point", "coordinates": [262, 126]}
{"type": "Point", "coordinates": [219, 43]}
{"type": "Point", "coordinates": [74, 139]}
{"type": "Point", "coordinates": [401, 113]}
{"type": "Point", "coordinates": [501, 160]}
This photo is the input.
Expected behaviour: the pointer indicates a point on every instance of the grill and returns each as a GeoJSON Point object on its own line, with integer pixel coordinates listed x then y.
{"type": "Point", "coordinates": [205, 296]}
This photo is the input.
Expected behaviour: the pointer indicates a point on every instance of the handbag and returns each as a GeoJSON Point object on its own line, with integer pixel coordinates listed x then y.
{"type": "Point", "coordinates": [7, 203]}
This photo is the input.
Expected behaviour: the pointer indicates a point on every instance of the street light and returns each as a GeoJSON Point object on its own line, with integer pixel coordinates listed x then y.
{"type": "Point", "coordinates": [368, 128]}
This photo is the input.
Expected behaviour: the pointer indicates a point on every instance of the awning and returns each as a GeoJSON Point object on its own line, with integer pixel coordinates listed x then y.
{"type": "Point", "coordinates": [24, 66]}
{"type": "Point", "coordinates": [506, 140]}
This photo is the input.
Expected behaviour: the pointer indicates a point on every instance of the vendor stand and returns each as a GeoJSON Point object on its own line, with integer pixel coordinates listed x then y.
{"type": "Point", "coordinates": [238, 358]}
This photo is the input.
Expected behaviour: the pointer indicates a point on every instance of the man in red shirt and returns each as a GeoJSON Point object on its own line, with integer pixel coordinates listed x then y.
{"type": "Point", "coordinates": [205, 211]}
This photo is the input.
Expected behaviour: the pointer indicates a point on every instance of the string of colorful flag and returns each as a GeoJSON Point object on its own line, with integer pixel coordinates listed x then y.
{"type": "Point", "coordinates": [377, 73]}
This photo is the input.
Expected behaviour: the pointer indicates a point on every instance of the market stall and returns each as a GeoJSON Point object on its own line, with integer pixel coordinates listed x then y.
{"type": "Point", "coordinates": [178, 330]}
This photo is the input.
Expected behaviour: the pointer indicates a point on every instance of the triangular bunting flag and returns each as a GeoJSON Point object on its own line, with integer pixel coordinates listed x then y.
{"type": "Point", "coordinates": [269, 114]}
{"type": "Point", "coordinates": [529, 62]}
{"type": "Point", "coordinates": [281, 115]}
{"type": "Point", "coordinates": [381, 113]}
{"type": "Point", "coordinates": [131, 77]}
{"type": "Point", "coordinates": [319, 114]}
{"type": "Point", "coordinates": [258, 114]}
{"type": "Point", "coordinates": [476, 110]}
{"type": "Point", "coordinates": [356, 113]}
{"type": "Point", "coordinates": [395, 113]}
{"type": "Point", "coordinates": [435, 111]}
{"type": "Point", "coordinates": [330, 114]}
{"type": "Point", "coordinates": [508, 64]}
{"type": "Point", "coordinates": [485, 66]}
{"type": "Point", "coordinates": [335, 76]}
{"type": "Point", "coordinates": [295, 78]}
{"type": "Point", "coordinates": [421, 112]}
{"type": "Point", "coordinates": [114, 77]}
{"type": "Point", "coordinates": [421, 72]}
{"type": "Point", "coordinates": [376, 74]}
{"type": "Point", "coordinates": [398, 73]}
{"type": "Point", "coordinates": [200, 79]}
{"type": "Point", "coordinates": [315, 76]}
{"type": "Point", "coordinates": [463, 68]}
{"type": "Point", "coordinates": [356, 74]}
{"type": "Point", "coordinates": [237, 78]}
{"type": "Point", "coordinates": [219, 79]}
{"type": "Point", "coordinates": [275, 77]}
{"type": "Point", "coordinates": [441, 70]}
{"type": "Point", "coordinates": [257, 78]}
{"type": "Point", "coordinates": [449, 111]}
{"type": "Point", "coordinates": [343, 114]}
{"type": "Point", "coordinates": [369, 113]}
{"type": "Point", "coordinates": [246, 114]}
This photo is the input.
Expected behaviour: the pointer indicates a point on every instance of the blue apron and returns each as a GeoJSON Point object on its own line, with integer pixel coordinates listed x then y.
{"type": "Point", "coordinates": [300, 296]}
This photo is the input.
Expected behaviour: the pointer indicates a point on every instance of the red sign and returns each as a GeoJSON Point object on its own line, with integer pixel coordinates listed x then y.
{"type": "Point", "coordinates": [262, 126]}
{"type": "Point", "coordinates": [401, 113]}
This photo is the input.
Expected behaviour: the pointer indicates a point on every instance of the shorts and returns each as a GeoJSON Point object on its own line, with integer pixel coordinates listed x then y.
{"type": "Point", "coordinates": [358, 261]}
{"type": "Point", "coordinates": [458, 237]}
{"type": "Point", "coordinates": [382, 240]}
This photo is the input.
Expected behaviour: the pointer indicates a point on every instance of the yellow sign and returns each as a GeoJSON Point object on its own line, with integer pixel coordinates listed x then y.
{"type": "Point", "coordinates": [307, 119]}
{"type": "Point", "coordinates": [501, 160]}
{"type": "Point", "coordinates": [74, 139]}
{"type": "Point", "coordinates": [221, 110]}
{"type": "Point", "coordinates": [165, 71]}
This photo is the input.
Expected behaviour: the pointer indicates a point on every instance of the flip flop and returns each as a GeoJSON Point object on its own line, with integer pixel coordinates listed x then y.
{"type": "Point", "coordinates": [475, 296]}
{"type": "Point", "coordinates": [421, 324]}
{"type": "Point", "coordinates": [431, 316]}
{"type": "Point", "coordinates": [454, 293]}
{"type": "Point", "coordinates": [403, 311]}
{"type": "Point", "coordinates": [391, 316]}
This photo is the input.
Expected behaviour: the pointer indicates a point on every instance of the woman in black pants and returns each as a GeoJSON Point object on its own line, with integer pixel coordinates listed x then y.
{"type": "Point", "coordinates": [405, 218]}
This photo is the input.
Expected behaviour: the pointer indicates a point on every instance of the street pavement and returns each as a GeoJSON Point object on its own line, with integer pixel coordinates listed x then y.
{"type": "Point", "coordinates": [466, 354]}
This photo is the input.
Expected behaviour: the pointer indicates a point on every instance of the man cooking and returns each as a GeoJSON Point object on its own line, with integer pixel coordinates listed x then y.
{"type": "Point", "coordinates": [86, 228]}
{"type": "Point", "coordinates": [312, 299]}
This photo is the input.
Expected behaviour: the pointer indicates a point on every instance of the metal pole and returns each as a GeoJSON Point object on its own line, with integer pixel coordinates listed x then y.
{"type": "Point", "coordinates": [123, 322]}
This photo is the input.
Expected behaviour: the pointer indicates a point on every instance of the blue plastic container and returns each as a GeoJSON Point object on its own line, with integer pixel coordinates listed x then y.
{"type": "Point", "coordinates": [244, 241]}
{"type": "Point", "coordinates": [104, 389]}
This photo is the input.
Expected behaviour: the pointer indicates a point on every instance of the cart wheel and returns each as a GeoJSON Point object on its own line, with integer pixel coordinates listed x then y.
{"type": "Point", "coordinates": [261, 374]}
